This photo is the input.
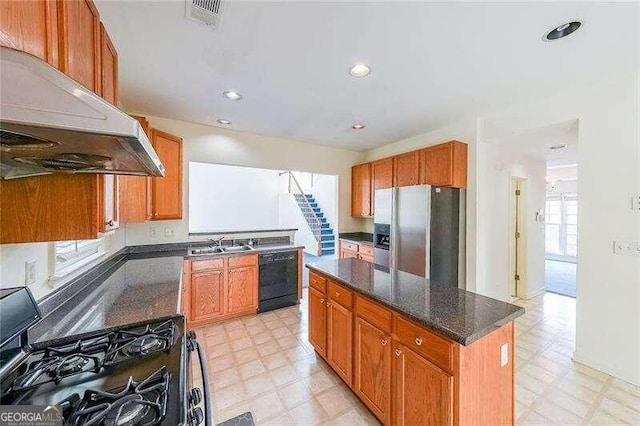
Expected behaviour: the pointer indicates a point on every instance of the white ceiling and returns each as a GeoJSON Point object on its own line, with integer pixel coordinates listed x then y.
{"type": "Point", "coordinates": [431, 62]}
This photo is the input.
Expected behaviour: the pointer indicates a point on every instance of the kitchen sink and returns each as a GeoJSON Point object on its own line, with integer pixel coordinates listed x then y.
{"type": "Point", "coordinates": [233, 249]}
{"type": "Point", "coordinates": [207, 251]}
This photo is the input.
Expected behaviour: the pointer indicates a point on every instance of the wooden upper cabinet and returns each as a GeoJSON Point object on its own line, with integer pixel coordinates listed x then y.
{"type": "Point", "coordinates": [207, 295]}
{"type": "Point", "coordinates": [80, 42]}
{"type": "Point", "coordinates": [445, 165]}
{"type": "Point", "coordinates": [406, 169]}
{"type": "Point", "coordinates": [109, 68]}
{"type": "Point", "coordinates": [361, 190]}
{"type": "Point", "coordinates": [108, 205]}
{"type": "Point", "coordinates": [372, 381]}
{"type": "Point", "coordinates": [242, 286]}
{"type": "Point", "coordinates": [166, 192]}
{"type": "Point", "coordinates": [135, 197]}
{"type": "Point", "coordinates": [422, 392]}
{"type": "Point", "coordinates": [382, 173]}
{"type": "Point", "coordinates": [317, 320]}
{"type": "Point", "coordinates": [31, 26]}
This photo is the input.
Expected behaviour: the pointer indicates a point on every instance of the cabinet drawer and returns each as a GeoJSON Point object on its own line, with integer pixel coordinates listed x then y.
{"type": "Point", "coordinates": [250, 260]}
{"type": "Point", "coordinates": [318, 282]}
{"type": "Point", "coordinates": [203, 265]}
{"type": "Point", "coordinates": [427, 344]}
{"type": "Point", "coordinates": [339, 294]}
{"type": "Point", "coordinates": [365, 251]}
{"type": "Point", "coordinates": [367, 258]}
{"type": "Point", "coordinates": [346, 245]}
{"type": "Point", "coordinates": [375, 314]}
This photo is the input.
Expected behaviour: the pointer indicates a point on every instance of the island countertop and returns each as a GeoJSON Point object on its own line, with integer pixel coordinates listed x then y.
{"type": "Point", "coordinates": [459, 315]}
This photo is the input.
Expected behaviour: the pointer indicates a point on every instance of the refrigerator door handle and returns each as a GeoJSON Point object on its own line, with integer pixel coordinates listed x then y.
{"type": "Point", "coordinates": [393, 246]}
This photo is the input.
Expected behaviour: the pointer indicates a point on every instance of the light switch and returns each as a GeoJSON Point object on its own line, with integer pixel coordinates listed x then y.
{"type": "Point", "coordinates": [635, 202]}
{"type": "Point", "coordinates": [504, 355]}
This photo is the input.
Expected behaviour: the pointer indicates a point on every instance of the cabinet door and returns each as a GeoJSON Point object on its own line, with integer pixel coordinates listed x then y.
{"type": "Point", "coordinates": [361, 190]}
{"type": "Point", "coordinates": [366, 257]}
{"type": "Point", "coordinates": [372, 381]}
{"type": "Point", "coordinates": [207, 294]}
{"type": "Point", "coordinates": [406, 169]}
{"type": "Point", "coordinates": [166, 192]}
{"type": "Point", "coordinates": [382, 173]}
{"type": "Point", "coordinates": [422, 392]}
{"type": "Point", "coordinates": [242, 286]}
{"type": "Point", "coordinates": [31, 26]}
{"type": "Point", "coordinates": [340, 340]}
{"type": "Point", "coordinates": [135, 198]}
{"type": "Point", "coordinates": [445, 165]}
{"type": "Point", "coordinates": [108, 204]}
{"type": "Point", "coordinates": [80, 42]}
{"type": "Point", "coordinates": [344, 253]}
{"type": "Point", "coordinates": [109, 68]}
{"type": "Point", "coordinates": [318, 321]}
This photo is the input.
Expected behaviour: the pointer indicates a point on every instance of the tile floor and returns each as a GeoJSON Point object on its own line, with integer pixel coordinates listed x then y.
{"type": "Point", "coordinates": [264, 364]}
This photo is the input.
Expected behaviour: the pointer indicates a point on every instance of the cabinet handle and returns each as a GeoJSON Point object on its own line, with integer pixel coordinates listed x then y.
{"type": "Point", "coordinates": [398, 352]}
{"type": "Point", "coordinates": [337, 294]}
{"type": "Point", "coordinates": [110, 223]}
{"type": "Point", "coordinates": [384, 342]}
{"type": "Point", "coordinates": [328, 304]}
{"type": "Point", "coordinates": [418, 341]}
{"type": "Point", "coordinates": [322, 300]}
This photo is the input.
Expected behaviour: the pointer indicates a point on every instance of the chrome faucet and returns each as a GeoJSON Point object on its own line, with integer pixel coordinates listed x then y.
{"type": "Point", "coordinates": [218, 241]}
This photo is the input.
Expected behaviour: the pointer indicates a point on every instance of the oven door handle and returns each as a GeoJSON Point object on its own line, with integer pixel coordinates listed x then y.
{"type": "Point", "coordinates": [194, 345]}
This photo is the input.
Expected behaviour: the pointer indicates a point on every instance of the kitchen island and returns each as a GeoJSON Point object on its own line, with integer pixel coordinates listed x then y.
{"type": "Point", "coordinates": [413, 350]}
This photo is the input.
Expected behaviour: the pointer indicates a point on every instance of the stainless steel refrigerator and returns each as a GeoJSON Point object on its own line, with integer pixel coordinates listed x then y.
{"type": "Point", "coordinates": [418, 230]}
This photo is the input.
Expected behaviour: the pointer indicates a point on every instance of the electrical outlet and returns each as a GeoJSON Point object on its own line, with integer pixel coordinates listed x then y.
{"type": "Point", "coordinates": [504, 355]}
{"type": "Point", "coordinates": [635, 202]}
{"type": "Point", "coordinates": [29, 272]}
{"type": "Point", "coordinates": [153, 232]}
{"type": "Point", "coordinates": [628, 248]}
{"type": "Point", "coordinates": [169, 232]}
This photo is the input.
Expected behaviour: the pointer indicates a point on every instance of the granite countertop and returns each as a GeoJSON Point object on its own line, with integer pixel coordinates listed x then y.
{"type": "Point", "coordinates": [141, 289]}
{"type": "Point", "coordinates": [363, 238]}
{"type": "Point", "coordinates": [459, 315]}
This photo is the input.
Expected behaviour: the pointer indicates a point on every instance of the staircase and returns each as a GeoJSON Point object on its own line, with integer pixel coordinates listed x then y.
{"type": "Point", "coordinates": [324, 230]}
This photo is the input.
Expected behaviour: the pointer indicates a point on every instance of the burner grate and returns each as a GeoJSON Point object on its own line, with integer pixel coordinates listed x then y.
{"type": "Point", "coordinates": [134, 344]}
{"type": "Point", "coordinates": [143, 403]}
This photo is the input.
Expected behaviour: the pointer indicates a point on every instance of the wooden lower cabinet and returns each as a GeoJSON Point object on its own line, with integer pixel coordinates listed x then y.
{"type": "Point", "coordinates": [358, 251]}
{"type": "Point", "coordinates": [242, 288]}
{"type": "Point", "coordinates": [207, 295]}
{"type": "Point", "coordinates": [422, 392]}
{"type": "Point", "coordinates": [404, 372]}
{"type": "Point", "coordinates": [372, 372]}
{"type": "Point", "coordinates": [340, 340]}
{"type": "Point", "coordinates": [218, 290]}
{"type": "Point", "coordinates": [318, 321]}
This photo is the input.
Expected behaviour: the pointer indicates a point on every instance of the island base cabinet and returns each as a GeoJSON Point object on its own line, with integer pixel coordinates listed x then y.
{"type": "Point", "coordinates": [340, 340]}
{"type": "Point", "coordinates": [422, 392]}
{"type": "Point", "coordinates": [318, 321]}
{"type": "Point", "coordinates": [372, 375]}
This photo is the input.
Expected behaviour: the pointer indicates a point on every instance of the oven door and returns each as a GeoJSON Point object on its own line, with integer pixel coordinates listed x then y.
{"type": "Point", "coordinates": [198, 395]}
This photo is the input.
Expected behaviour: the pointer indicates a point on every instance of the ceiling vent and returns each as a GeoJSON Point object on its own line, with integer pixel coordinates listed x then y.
{"type": "Point", "coordinates": [207, 12]}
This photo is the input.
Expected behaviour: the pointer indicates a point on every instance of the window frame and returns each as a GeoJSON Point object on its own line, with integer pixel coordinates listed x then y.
{"type": "Point", "coordinates": [565, 199]}
{"type": "Point", "coordinates": [98, 248]}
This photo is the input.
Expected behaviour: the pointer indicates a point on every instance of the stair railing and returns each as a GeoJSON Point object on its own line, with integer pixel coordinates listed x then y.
{"type": "Point", "coordinates": [292, 179]}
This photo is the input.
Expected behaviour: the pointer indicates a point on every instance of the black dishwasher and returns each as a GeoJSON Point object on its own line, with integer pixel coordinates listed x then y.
{"type": "Point", "coordinates": [278, 284]}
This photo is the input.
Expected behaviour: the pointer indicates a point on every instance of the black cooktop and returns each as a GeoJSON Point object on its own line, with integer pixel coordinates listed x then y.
{"type": "Point", "coordinates": [132, 376]}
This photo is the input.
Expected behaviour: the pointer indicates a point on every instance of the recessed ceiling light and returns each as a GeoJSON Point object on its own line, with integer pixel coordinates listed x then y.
{"type": "Point", "coordinates": [559, 146]}
{"type": "Point", "coordinates": [359, 70]}
{"type": "Point", "coordinates": [562, 31]}
{"type": "Point", "coordinates": [231, 95]}
{"type": "Point", "coordinates": [223, 121]}
{"type": "Point", "coordinates": [357, 126]}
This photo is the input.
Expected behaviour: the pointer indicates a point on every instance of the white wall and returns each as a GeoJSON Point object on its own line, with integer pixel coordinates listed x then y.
{"type": "Point", "coordinates": [14, 256]}
{"type": "Point", "coordinates": [207, 144]}
{"type": "Point", "coordinates": [221, 197]}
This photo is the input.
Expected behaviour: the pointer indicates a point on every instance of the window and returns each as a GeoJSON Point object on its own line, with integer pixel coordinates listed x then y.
{"type": "Point", "coordinates": [72, 255]}
{"type": "Point", "coordinates": [561, 230]}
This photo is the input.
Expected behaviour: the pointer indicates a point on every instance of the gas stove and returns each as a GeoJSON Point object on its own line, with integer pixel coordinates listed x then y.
{"type": "Point", "coordinates": [136, 375]}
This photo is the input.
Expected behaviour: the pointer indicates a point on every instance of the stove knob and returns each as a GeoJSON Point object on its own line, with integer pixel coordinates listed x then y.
{"type": "Point", "coordinates": [197, 416]}
{"type": "Point", "coordinates": [196, 396]}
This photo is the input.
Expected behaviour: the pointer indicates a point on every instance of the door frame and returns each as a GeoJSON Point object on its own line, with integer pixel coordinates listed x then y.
{"type": "Point", "coordinates": [517, 246]}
